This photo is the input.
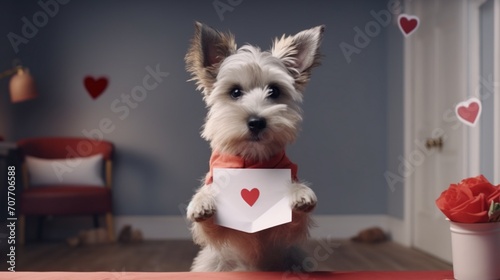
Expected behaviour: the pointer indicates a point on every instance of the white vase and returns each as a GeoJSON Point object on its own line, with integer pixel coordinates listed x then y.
{"type": "Point", "coordinates": [475, 251]}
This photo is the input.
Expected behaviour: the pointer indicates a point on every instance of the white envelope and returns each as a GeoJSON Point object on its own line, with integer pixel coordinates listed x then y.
{"type": "Point", "coordinates": [252, 200]}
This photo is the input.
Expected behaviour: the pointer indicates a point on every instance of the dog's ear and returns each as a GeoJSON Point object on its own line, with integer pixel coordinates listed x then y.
{"type": "Point", "coordinates": [300, 53]}
{"type": "Point", "coordinates": [209, 48]}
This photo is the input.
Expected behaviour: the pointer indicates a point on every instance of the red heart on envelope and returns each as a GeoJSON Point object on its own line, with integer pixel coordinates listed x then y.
{"type": "Point", "coordinates": [95, 87]}
{"type": "Point", "coordinates": [469, 111]}
{"type": "Point", "coordinates": [408, 24]}
{"type": "Point", "coordinates": [250, 197]}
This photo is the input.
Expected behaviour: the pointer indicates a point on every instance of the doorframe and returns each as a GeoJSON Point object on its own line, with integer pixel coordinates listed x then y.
{"type": "Point", "coordinates": [470, 146]}
{"type": "Point", "coordinates": [474, 62]}
{"type": "Point", "coordinates": [408, 97]}
{"type": "Point", "coordinates": [472, 162]}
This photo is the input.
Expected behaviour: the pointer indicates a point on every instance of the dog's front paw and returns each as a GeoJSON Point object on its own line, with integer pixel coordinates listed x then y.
{"type": "Point", "coordinates": [201, 211]}
{"type": "Point", "coordinates": [303, 198]}
{"type": "Point", "coordinates": [201, 207]}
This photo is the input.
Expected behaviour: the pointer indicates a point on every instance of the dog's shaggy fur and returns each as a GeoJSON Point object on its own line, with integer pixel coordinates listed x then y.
{"type": "Point", "coordinates": [239, 85]}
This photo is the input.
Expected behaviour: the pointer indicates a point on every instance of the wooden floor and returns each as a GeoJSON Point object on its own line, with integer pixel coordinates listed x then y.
{"type": "Point", "coordinates": [177, 255]}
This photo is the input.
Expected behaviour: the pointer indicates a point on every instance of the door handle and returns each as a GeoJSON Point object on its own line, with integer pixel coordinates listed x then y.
{"type": "Point", "coordinates": [434, 143]}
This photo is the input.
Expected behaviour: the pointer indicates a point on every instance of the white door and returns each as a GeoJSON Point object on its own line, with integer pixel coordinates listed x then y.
{"type": "Point", "coordinates": [437, 80]}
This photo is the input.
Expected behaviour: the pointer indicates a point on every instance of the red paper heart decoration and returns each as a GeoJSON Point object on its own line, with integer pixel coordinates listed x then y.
{"type": "Point", "coordinates": [250, 197]}
{"type": "Point", "coordinates": [95, 87]}
{"type": "Point", "coordinates": [469, 111]}
{"type": "Point", "coordinates": [408, 24]}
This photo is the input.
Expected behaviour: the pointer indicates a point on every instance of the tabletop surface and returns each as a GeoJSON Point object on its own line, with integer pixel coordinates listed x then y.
{"type": "Point", "coordinates": [338, 275]}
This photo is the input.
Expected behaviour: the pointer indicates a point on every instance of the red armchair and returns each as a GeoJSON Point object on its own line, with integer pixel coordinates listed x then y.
{"type": "Point", "coordinates": [63, 200]}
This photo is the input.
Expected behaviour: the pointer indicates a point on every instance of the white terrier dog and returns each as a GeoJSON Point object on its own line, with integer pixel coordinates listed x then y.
{"type": "Point", "coordinates": [253, 99]}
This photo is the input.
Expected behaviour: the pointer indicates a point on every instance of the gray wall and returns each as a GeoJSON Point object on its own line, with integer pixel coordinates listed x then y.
{"type": "Point", "coordinates": [343, 147]}
{"type": "Point", "coordinates": [6, 55]}
{"type": "Point", "coordinates": [395, 120]}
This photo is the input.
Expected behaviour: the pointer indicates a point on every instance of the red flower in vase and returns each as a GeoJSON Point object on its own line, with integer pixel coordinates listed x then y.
{"type": "Point", "coordinates": [469, 200]}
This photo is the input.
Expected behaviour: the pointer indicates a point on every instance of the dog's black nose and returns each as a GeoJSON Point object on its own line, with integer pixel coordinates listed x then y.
{"type": "Point", "coordinates": [256, 124]}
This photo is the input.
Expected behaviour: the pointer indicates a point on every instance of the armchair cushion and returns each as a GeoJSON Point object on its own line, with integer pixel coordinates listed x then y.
{"type": "Point", "coordinates": [67, 171]}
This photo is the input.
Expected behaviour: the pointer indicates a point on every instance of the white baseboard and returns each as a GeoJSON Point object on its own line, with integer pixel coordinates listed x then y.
{"type": "Point", "coordinates": [156, 227]}
{"type": "Point", "coordinates": [328, 226]}
{"type": "Point", "coordinates": [345, 226]}
{"type": "Point", "coordinates": [399, 233]}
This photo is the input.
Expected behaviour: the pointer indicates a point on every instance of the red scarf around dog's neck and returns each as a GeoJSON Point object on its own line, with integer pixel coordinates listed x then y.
{"type": "Point", "coordinates": [280, 160]}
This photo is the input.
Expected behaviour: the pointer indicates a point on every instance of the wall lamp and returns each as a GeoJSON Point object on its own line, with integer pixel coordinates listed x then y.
{"type": "Point", "coordinates": [22, 84]}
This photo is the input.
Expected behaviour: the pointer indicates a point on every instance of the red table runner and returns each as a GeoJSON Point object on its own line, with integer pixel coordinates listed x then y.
{"type": "Point", "coordinates": [338, 275]}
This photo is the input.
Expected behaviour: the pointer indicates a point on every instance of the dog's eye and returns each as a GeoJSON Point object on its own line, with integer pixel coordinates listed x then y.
{"type": "Point", "coordinates": [236, 93]}
{"type": "Point", "coordinates": [273, 92]}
